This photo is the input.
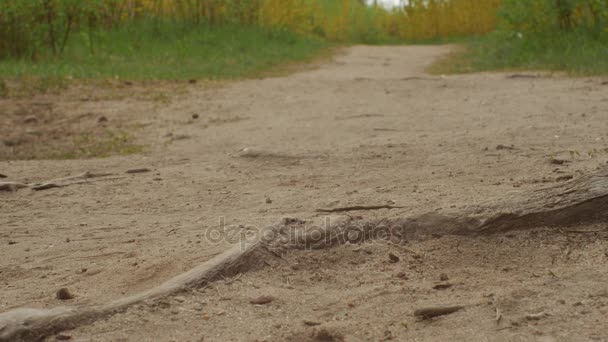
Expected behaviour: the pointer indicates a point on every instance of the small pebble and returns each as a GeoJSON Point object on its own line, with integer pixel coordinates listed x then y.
{"type": "Point", "coordinates": [31, 119]}
{"type": "Point", "coordinates": [393, 258]}
{"type": "Point", "coordinates": [443, 277]}
{"type": "Point", "coordinates": [64, 294]}
{"type": "Point", "coordinates": [402, 275]}
{"type": "Point", "coordinates": [311, 323]}
{"type": "Point", "coordinates": [262, 300]}
{"type": "Point", "coordinates": [63, 337]}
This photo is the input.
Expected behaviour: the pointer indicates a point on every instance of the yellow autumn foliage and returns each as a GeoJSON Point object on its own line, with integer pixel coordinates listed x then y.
{"type": "Point", "coordinates": [337, 20]}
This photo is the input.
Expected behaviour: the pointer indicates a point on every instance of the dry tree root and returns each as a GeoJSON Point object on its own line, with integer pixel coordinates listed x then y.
{"type": "Point", "coordinates": [582, 200]}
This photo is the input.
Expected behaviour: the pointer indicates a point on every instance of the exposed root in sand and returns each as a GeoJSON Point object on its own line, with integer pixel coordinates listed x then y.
{"type": "Point", "coordinates": [583, 200]}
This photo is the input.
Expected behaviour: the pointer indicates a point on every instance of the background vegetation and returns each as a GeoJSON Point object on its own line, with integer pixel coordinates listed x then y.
{"type": "Point", "coordinates": [210, 38]}
{"type": "Point", "coordinates": [140, 39]}
{"type": "Point", "coordinates": [569, 35]}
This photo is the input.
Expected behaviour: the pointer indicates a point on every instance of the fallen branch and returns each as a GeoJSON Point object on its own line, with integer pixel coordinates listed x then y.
{"type": "Point", "coordinates": [84, 177]}
{"type": "Point", "coordinates": [358, 207]}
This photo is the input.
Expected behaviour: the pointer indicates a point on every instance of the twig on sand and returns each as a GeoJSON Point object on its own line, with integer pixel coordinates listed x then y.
{"type": "Point", "coordinates": [54, 185]}
{"type": "Point", "coordinates": [66, 181]}
{"type": "Point", "coordinates": [428, 313]}
{"type": "Point", "coordinates": [358, 207]}
{"type": "Point", "coordinates": [233, 279]}
{"type": "Point", "coordinates": [498, 317]}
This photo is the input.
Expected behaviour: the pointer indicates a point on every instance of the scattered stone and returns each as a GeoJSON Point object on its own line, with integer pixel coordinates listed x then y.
{"type": "Point", "coordinates": [327, 335]}
{"type": "Point", "coordinates": [180, 137]}
{"type": "Point", "coordinates": [63, 337]}
{"type": "Point", "coordinates": [558, 161]}
{"type": "Point", "coordinates": [505, 147]}
{"type": "Point", "coordinates": [311, 323]}
{"type": "Point", "coordinates": [195, 116]}
{"type": "Point", "coordinates": [192, 81]}
{"type": "Point", "coordinates": [393, 258]}
{"type": "Point", "coordinates": [141, 170]}
{"type": "Point", "coordinates": [11, 242]}
{"type": "Point", "coordinates": [3, 176]}
{"type": "Point", "coordinates": [268, 200]}
{"type": "Point", "coordinates": [102, 119]}
{"type": "Point", "coordinates": [443, 277]}
{"type": "Point", "coordinates": [31, 119]}
{"type": "Point", "coordinates": [402, 275]}
{"type": "Point", "coordinates": [262, 300]}
{"type": "Point", "coordinates": [64, 294]}
{"type": "Point", "coordinates": [180, 299]}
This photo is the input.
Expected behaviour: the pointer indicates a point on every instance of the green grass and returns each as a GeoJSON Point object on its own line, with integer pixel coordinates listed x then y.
{"type": "Point", "coordinates": [578, 53]}
{"type": "Point", "coordinates": [169, 52]}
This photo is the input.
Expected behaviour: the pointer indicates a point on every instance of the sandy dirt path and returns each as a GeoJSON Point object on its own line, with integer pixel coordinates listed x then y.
{"type": "Point", "coordinates": [368, 128]}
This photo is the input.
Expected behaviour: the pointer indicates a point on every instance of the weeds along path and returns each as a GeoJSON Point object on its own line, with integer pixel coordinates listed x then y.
{"type": "Point", "coordinates": [369, 128]}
